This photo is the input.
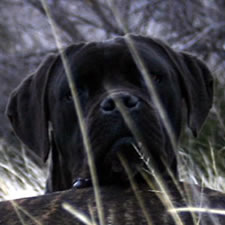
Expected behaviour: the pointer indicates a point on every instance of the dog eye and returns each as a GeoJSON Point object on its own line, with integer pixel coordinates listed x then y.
{"type": "Point", "coordinates": [68, 97]}
{"type": "Point", "coordinates": [81, 93]}
{"type": "Point", "coordinates": [156, 78]}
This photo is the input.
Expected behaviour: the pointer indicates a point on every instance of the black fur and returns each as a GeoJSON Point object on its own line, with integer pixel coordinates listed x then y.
{"type": "Point", "coordinates": [105, 72]}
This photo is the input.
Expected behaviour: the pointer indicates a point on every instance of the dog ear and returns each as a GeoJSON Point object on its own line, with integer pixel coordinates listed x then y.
{"type": "Point", "coordinates": [27, 106]}
{"type": "Point", "coordinates": [197, 87]}
{"type": "Point", "coordinates": [27, 109]}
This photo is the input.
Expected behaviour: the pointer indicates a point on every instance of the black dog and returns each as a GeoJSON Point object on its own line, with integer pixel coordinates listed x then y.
{"type": "Point", "coordinates": [104, 73]}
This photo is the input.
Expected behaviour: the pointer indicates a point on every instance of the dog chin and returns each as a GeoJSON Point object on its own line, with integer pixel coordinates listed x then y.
{"type": "Point", "coordinates": [123, 153]}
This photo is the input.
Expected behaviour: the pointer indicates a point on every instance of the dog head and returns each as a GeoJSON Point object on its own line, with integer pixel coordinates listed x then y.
{"type": "Point", "coordinates": [131, 93]}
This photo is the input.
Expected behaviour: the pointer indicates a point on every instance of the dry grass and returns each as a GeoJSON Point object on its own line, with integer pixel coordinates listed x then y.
{"type": "Point", "coordinates": [199, 166]}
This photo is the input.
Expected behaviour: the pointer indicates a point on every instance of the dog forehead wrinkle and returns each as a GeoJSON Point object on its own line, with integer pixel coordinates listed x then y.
{"type": "Point", "coordinates": [155, 63]}
{"type": "Point", "coordinates": [153, 57]}
{"type": "Point", "coordinates": [105, 50]}
{"type": "Point", "coordinates": [106, 56]}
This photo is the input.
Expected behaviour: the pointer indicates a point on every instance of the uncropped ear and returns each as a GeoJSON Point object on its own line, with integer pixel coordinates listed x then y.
{"type": "Point", "coordinates": [27, 106]}
{"type": "Point", "coordinates": [27, 109]}
{"type": "Point", "coordinates": [197, 86]}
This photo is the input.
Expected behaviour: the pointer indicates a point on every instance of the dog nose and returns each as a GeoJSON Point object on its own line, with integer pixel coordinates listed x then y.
{"type": "Point", "coordinates": [130, 102]}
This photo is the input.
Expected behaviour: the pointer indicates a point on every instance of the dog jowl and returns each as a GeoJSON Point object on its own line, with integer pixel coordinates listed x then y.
{"type": "Point", "coordinates": [106, 75]}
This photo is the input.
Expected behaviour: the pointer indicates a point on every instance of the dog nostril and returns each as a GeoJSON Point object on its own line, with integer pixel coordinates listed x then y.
{"type": "Point", "coordinates": [127, 100]}
{"type": "Point", "coordinates": [130, 101]}
{"type": "Point", "coordinates": [108, 104]}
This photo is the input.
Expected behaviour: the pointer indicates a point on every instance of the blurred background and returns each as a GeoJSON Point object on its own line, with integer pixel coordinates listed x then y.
{"type": "Point", "coordinates": [196, 26]}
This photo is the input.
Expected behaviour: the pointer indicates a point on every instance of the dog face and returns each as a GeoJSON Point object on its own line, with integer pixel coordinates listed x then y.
{"type": "Point", "coordinates": [119, 110]}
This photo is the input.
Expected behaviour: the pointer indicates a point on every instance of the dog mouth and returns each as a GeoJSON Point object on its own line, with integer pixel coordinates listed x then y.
{"type": "Point", "coordinates": [124, 152]}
